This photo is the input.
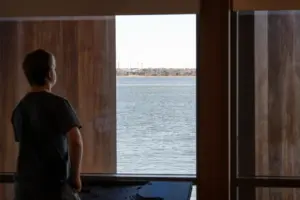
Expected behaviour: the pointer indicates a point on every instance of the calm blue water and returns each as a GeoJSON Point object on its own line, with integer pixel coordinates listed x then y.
{"type": "Point", "coordinates": [156, 125]}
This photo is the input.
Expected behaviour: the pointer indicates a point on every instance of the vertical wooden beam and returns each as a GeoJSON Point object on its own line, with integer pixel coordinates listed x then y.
{"type": "Point", "coordinates": [212, 101]}
{"type": "Point", "coordinates": [8, 83]}
{"type": "Point", "coordinates": [233, 103]}
{"type": "Point", "coordinates": [261, 99]}
{"type": "Point", "coordinates": [246, 100]}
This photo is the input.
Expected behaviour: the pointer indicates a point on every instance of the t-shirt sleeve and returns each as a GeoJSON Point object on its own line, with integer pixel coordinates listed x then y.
{"type": "Point", "coordinates": [67, 117]}
{"type": "Point", "coordinates": [17, 123]}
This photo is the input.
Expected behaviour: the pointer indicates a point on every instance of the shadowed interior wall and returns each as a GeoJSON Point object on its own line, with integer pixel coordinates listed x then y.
{"type": "Point", "coordinates": [85, 54]}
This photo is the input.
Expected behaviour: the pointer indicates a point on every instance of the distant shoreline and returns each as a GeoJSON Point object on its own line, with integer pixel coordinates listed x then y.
{"type": "Point", "coordinates": [156, 72]}
{"type": "Point", "coordinates": [144, 76]}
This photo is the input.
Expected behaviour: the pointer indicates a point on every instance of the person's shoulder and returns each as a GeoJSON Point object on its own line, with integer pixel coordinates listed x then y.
{"type": "Point", "coordinates": [60, 100]}
{"type": "Point", "coordinates": [48, 98]}
{"type": "Point", "coordinates": [58, 97]}
{"type": "Point", "coordinates": [20, 103]}
{"type": "Point", "coordinates": [16, 110]}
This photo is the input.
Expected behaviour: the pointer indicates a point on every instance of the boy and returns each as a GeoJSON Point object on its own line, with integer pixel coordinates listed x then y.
{"type": "Point", "coordinates": [47, 131]}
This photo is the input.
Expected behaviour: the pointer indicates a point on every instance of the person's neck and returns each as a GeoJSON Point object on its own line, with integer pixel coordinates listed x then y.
{"type": "Point", "coordinates": [45, 88]}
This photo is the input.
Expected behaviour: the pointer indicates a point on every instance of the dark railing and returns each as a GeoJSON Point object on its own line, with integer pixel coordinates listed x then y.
{"type": "Point", "coordinates": [269, 181]}
{"type": "Point", "coordinates": [259, 181]}
{"type": "Point", "coordinates": [98, 178]}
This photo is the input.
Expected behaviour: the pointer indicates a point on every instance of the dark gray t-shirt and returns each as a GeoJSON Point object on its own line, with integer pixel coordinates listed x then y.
{"type": "Point", "coordinates": [41, 121]}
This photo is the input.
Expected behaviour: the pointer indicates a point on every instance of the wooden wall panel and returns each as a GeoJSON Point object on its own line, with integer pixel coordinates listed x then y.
{"type": "Point", "coordinates": [261, 98]}
{"type": "Point", "coordinates": [247, 5]}
{"type": "Point", "coordinates": [46, 8]}
{"type": "Point", "coordinates": [85, 53]}
{"type": "Point", "coordinates": [277, 97]}
{"type": "Point", "coordinates": [8, 81]}
{"type": "Point", "coordinates": [277, 101]}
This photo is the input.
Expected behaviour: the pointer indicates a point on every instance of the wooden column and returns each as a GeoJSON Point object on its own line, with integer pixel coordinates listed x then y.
{"type": "Point", "coordinates": [8, 82]}
{"type": "Point", "coordinates": [85, 53]}
{"type": "Point", "coordinates": [246, 97]}
{"type": "Point", "coordinates": [213, 164]}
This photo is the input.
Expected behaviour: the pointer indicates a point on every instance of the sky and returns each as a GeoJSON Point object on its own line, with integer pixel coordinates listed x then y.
{"type": "Point", "coordinates": [163, 41]}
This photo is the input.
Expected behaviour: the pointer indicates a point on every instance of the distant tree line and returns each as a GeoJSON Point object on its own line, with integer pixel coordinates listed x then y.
{"type": "Point", "coordinates": [156, 72]}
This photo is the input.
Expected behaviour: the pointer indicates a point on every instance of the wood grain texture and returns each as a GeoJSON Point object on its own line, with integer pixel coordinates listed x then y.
{"type": "Point", "coordinates": [261, 99]}
{"type": "Point", "coordinates": [50, 8]}
{"type": "Point", "coordinates": [8, 81]}
{"type": "Point", "coordinates": [277, 97]}
{"type": "Point", "coordinates": [85, 53]}
{"type": "Point", "coordinates": [264, 5]}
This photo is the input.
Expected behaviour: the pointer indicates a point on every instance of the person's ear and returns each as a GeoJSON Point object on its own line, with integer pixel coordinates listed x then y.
{"type": "Point", "coordinates": [50, 77]}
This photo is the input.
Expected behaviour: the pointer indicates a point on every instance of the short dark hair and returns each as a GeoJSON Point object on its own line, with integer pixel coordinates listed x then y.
{"type": "Point", "coordinates": [37, 66]}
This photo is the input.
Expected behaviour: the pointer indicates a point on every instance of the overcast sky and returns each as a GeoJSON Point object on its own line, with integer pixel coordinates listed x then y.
{"type": "Point", "coordinates": [156, 41]}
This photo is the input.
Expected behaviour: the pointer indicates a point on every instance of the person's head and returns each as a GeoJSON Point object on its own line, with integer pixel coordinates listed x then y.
{"type": "Point", "coordinates": [39, 68]}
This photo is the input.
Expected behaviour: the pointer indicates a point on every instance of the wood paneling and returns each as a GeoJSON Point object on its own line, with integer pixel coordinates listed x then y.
{"type": "Point", "coordinates": [283, 100]}
{"type": "Point", "coordinates": [213, 181]}
{"type": "Point", "coordinates": [247, 5]}
{"type": "Point", "coordinates": [9, 81]}
{"type": "Point", "coordinates": [277, 97]}
{"type": "Point", "coordinates": [85, 53]}
{"type": "Point", "coordinates": [33, 8]}
{"type": "Point", "coordinates": [261, 96]}
{"type": "Point", "coordinates": [277, 94]}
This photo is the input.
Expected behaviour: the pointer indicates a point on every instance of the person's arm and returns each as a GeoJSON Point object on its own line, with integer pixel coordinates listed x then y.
{"type": "Point", "coordinates": [75, 150]}
{"type": "Point", "coordinates": [70, 126]}
{"type": "Point", "coordinates": [16, 121]}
